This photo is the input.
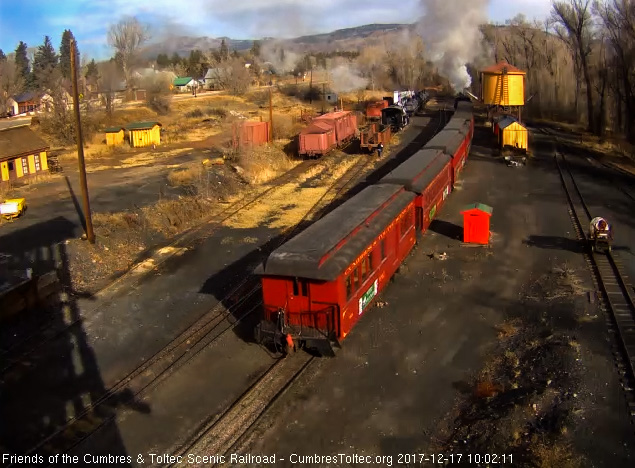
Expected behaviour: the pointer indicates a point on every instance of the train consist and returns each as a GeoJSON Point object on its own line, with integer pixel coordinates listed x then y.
{"type": "Point", "coordinates": [317, 285]}
{"type": "Point", "coordinates": [337, 129]}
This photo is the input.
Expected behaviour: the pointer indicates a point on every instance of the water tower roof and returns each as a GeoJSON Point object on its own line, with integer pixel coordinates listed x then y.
{"type": "Point", "coordinates": [500, 66]}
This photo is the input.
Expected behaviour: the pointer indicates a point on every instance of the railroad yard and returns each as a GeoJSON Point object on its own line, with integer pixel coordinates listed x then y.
{"type": "Point", "coordinates": [294, 266]}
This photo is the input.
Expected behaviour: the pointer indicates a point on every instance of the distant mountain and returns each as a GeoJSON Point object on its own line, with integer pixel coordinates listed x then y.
{"type": "Point", "coordinates": [341, 39]}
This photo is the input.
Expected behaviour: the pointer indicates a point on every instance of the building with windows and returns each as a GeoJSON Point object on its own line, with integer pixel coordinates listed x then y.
{"type": "Point", "coordinates": [22, 153]}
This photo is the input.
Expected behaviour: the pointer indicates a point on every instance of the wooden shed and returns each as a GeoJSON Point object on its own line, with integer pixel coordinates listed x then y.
{"type": "Point", "coordinates": [512, 133]}
{"type": "Point", "coordinates": [114, 135]}
{"type": "Point", "coordinates": [22, 153]}
{"type": "Point", "coordinates": [144, 134]}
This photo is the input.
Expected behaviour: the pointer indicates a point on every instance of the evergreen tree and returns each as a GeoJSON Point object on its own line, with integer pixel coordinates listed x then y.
{"type": "Point", "coordinates": [223, 51]}
{"type": "Point", "coordinates": [255, 49]}
{"type": "Point", "coordinates": [92, 72]}
{"type": "Point", "coordinates": [65, 53]}
{"type": "Point", "coordinates": [45, 57]}
{"type": "Point", "coordinates": [22, 61]}
{"type": "Point", "coordinates": [2, 56]}
{"type": "Point", "coordinates": [163, 61]}
{"type": "Point", "coordinates": [176, 59]}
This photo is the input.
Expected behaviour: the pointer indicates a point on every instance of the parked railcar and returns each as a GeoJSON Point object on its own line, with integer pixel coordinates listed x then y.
{"type": "Point", "coordinates": [428, 174]}
{"type": "Point", "coordinates": [316, 286]}
{"type": "Point", "coordinates": [455, 145]}
{"type": "Point", "coordinates": [317, 139]}
{"type": "Point", "coordinates": [344, 123]}
{"type": "Point", "coordinates": [394, 117]}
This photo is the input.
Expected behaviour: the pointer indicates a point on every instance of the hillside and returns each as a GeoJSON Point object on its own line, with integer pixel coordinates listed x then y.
{"type": "Point", "coordinates": [341, 39]}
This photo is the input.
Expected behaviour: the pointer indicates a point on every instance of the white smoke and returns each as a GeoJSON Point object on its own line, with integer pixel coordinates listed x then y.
{"type": "Point", "coordinates": [451, 34]}
{"type": "Point", "coordinates": [282, 59]}
{"type": "Point", "coordinates": [346, 78]}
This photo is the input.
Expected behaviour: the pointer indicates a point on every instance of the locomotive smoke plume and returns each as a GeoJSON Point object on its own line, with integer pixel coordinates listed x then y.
{"type": "Point", "coordinates": [345, 78]}
{"type": "Point", "coordinates": [451, 34]}
{"type": "Point", "coordinates": [282, 59]}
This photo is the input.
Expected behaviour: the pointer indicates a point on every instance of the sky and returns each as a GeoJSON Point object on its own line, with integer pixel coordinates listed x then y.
{"type": "Point", "coordinates": [89, 20]}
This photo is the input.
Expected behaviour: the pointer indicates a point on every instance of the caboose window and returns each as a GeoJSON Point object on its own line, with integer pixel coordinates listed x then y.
{"type": "Point", "coordinates": [370, 262]}
{"type": "Point", "coordinates": [382, 248]}
{"type": "Point", "coordinates": [349, 287]}
{"type": "Point", "coordinates": [300, 288]}
{"type": "Point", "coordinates": [304, 286]}
{"type": "Point", "coordinates": [296, 289]}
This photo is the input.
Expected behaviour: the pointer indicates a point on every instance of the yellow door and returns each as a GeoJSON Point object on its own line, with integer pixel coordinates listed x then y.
{"type": "Point", "coordinates": [4, 170]}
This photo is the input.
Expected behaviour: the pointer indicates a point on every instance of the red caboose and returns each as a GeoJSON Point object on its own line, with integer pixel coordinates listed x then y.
{"type": "Point", "coordinates": [428, 174]}
{"type": "Point", "coordinates": [316, 286]}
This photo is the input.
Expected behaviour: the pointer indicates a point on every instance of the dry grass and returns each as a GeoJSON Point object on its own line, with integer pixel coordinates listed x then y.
{"type": "Point", "coordinates": [185, 176]}
{"type": "Point", "coordinates": [289, 203]}
{"type": "Point", "coordinates": [264, 163]}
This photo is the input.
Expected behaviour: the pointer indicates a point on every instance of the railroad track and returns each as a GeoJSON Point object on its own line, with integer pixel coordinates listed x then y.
{"type": "Point", "coordinates": [46, 333]}
{"type": "Point", "coordinates": [206, 330]}
{"type": "Point", "coordinates": [613, 285]}
{"type": "Point", "coordinates": [221, 433]}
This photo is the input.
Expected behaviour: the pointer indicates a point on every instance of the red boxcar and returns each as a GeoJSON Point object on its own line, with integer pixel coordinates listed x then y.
{"type": "Point", "coordinates": [373, 109]}
{"type": "Point", "coordinates": [316, 286]}
{"type": "Point", "coordinates": [317, 139]}
{"type": "Point", "coordinates": [344, 123]}
{"type": "Point", "coordinates": [428, 174]}
{"type": "Point", "coordinates": [250, 133]}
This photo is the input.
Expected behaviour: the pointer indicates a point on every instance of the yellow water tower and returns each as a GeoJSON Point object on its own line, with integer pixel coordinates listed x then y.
{"type": "Point", "coordinates": [503, 85]}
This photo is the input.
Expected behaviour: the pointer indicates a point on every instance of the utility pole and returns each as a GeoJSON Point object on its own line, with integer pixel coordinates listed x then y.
{"type": "Point", "coordinates": [311, 86]}
{"type": "Point", "coordinates": [270, 116]}
{"type": "Point", "coordinates": [90, 235]}
{"type": "Point", "coordinates": [323, 98]}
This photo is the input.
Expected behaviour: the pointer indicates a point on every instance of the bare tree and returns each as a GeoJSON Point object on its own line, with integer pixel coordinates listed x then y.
{"type": "Point", "coordinates": [109, 82]}
{"type": "Point", "coordinates": [574, 26]}
{"type": "Point", "coordinates": [618, 21]}
{"type": "Point", "coordinates": [10, 83]}
{"type": "Point", "coordinates": [126, 37]}
{"type": "Point", "coordinates": [233, 76]}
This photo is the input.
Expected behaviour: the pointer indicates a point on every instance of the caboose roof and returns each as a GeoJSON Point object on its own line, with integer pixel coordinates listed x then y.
{"type": "Point", "coordinates": [314, 253]}
{"type": "Point", "coordinates": [419, 170]}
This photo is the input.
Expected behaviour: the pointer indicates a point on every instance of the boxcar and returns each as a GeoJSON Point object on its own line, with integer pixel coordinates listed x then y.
{"type": "Point", "coordinates": [344, 123]}
{"type": "Point", "coordinates": [316, 286]}
{"type": "Point", "coordinates": [428, 174]}
{"type": "Point", "coordinates": [317, 139]}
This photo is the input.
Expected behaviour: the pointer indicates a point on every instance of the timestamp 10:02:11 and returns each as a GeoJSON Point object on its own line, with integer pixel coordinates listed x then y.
{"type": "Point", "coordinates": [476, 458]}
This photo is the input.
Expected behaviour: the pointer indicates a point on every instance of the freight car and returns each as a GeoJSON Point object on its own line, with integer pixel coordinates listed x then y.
{"type": "Point", "coordinates": [316, 286]}
{"type": "Point", "coordinates": [326, 133]}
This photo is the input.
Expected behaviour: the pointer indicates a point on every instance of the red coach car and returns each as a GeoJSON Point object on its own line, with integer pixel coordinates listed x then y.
{"type": "Point", "coordinates": [428, 174]}
{"type": "Point", "coordinates": [316, 286]}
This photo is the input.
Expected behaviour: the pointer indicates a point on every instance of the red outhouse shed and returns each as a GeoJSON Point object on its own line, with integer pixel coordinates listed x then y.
{"type": "Point", "coordinates": [476, 219]}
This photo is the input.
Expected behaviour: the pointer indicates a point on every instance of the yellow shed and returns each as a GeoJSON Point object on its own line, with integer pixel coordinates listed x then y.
{"type": "Point", "coordinates": [114, 135]}
{"type": "Point", "coordinates": [144, 133]}
{"type": "Point", "coordinates": [503, 85]}
{"type": "Point", "coordinates": [512, 133]}
{"type": "Point", "coordinates": [22, 153]}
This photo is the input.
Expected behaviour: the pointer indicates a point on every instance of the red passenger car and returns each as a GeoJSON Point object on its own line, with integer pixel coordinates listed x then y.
{"type": "Point", "coordinates": [316, 286]}
{"type": "Point", "coordinates": [428, 174]}
{"type": "Point", "coordinates": [454, 144]}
